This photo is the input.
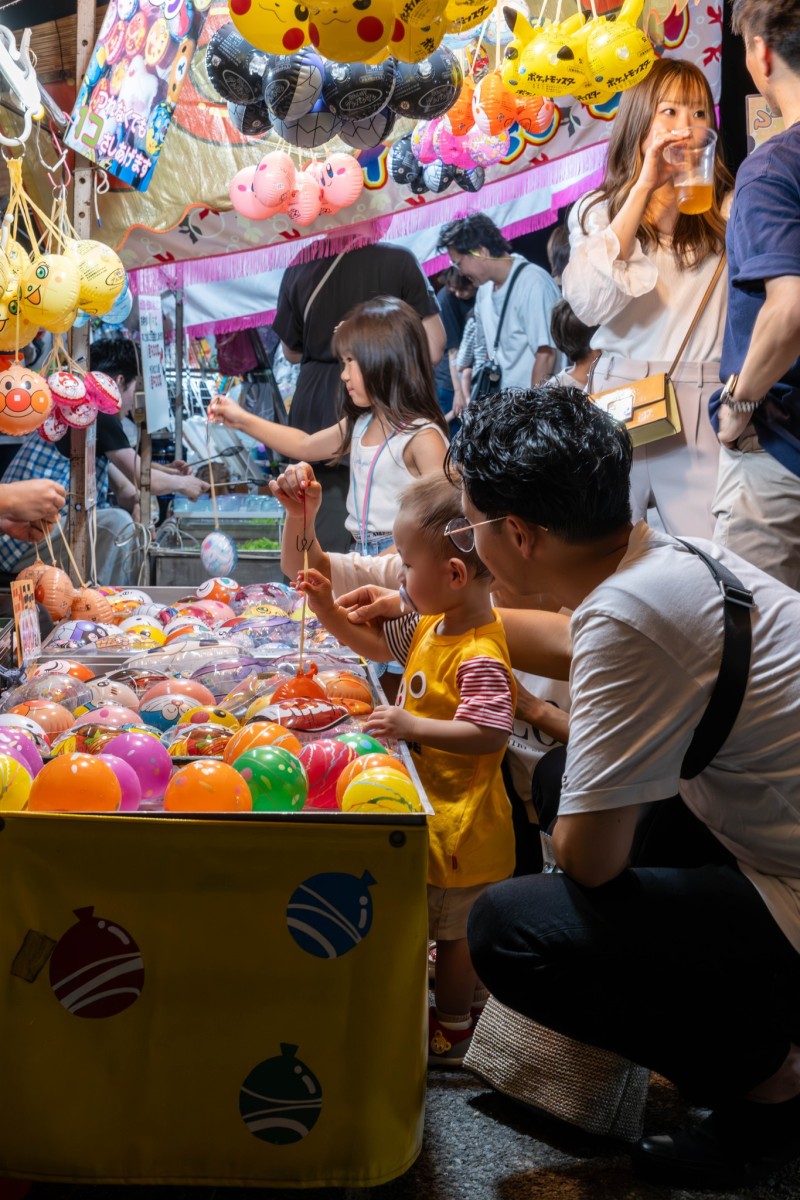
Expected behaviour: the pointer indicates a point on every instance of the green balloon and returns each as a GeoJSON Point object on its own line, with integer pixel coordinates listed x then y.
{"type": "Point", "coordinates": [362, 743]}
{"type": "Point", "coordinates": [276, 779]}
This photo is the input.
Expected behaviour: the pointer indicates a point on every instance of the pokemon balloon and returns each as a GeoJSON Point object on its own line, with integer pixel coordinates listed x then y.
{"type": "Point", "coordinates": [351, 30]}
{"type": "Point", "coordinates": [619, 54]}
{"type": "Point", "coordinates": [279, 27]}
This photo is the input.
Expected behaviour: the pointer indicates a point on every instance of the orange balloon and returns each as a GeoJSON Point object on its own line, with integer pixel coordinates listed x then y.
{"type": "Point", "coordinates": [34, 572]}
{"type": "Point", "coordinates": [260, 733]}
{"type": "Point", "coordinates": [91, 605]}
{"type": "Point", "coordinates": [53, 718]}
{"type": "Point", "coordinates": [363, 763]}
{"type": "Point", "coordinates": [301, 685]}
{"type": "Point", "coordinates": [207, 786]}
{"type": "Point", "coordinates": [180, 687]}
{"type": "Point", "coordinates": [55, 592]}
{"type": "Point", "coordinates": [75, 783]}
{"type": "Point", "coordinates": [349, 687]}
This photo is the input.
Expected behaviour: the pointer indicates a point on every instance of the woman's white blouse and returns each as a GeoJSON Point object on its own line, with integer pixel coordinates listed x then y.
{"type": "Point", "coordinates": [644, 306]}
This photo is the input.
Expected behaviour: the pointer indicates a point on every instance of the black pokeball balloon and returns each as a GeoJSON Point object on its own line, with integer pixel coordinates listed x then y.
{"type": "Point", "coordinates": [438, 176]}
{"type": "Point", "coordinates": [313, 129]}
{"type": "Point", "coordinates": [416, 182]}
{"type": "Point", "coordinates": [401, 162]}
{"type": "Point", "coordinates": [470, 179]}
{"type": "Point", "coordinates": [426, 89]}
{"type": "Point", "coordinates": [293, 84]}
{"type": "Point", "coordinates": [356, 91]}
{"type": "Point", "coordinates": [253, 120]}
{"type": "Point", "coordinates": [235, 69]}
{"type": "Point", "coordinates": [366, 135]}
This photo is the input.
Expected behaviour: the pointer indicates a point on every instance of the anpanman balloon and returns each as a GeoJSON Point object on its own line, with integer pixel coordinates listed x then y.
{"type": "Point", "coordinates": [25, 399]}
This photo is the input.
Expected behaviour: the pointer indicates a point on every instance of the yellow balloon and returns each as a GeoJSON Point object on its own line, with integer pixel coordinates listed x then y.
{"type": "Point", "coordinates": [48, 292]}
{"type": "Point", "coordinates": [15, 330]}
{"type": "Point", "coordinates": [102, 275]}
{"type": "Point", "coordinates": [5, 273]}
{"type": "Point", "coordinates": [548, 64]}
{"type": "Point", "coordinates": [412, 43]}
{"type": "Point", "coordinates": [278, 27]}
{"type": "Point", "coordinates": [619, 54]}
{"type": "Point", "coordinates": [459, 16]}
{"type": "Point", "coordinates": [351, 30]}
{"type": "Point", "coordinates": [15, 784]}
{"type": "Point", "coordinates": [421, 12]}
{"type": "Point", "coordinates": [19, 261]}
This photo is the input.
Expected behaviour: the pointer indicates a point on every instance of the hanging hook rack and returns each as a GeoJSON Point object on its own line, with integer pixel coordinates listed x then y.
{"type": "Point", "coordinates": [18, 72]}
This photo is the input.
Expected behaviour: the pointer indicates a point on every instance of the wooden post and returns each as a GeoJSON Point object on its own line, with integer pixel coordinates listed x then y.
{"type": "Point", "coordinates": [179, 351]}
{"type": "Point", "coordinates": [82, 490]}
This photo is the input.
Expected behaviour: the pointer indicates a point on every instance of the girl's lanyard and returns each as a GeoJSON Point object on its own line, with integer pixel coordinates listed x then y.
{"type": "Point", "coordinates": [364, 521]}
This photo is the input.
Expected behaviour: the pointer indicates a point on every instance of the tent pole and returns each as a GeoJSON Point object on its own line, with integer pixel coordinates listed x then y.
{"type": "Point", "coordinates": [82, 490]}
{"type": "Point", "coordinates": [179, 353]}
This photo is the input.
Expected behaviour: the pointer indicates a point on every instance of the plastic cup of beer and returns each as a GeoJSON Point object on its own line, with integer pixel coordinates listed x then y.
{"type": "Point", "coordinates": [693, 169]}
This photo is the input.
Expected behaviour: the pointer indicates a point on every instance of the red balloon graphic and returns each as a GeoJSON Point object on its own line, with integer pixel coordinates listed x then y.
{"type": "Point", "coordinates": [96, 970]}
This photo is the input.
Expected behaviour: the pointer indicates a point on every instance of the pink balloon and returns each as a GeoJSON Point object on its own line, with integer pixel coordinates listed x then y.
{"type": "Point", "coordinates": [343, 180]}
{"type": "Point", "coordinates": [113, 715]}
{"type": "Point", "coordinates": [19, 746]}
{"type": "Point", "coordinates": [274, 179]}
{"type": "Point", "coordinates": [149, 759]}
{"type": "Point", "coordinates": [451, 147]}
{"type": "Point", "coordinates": [487, 148]}
{"type": "Point", "coordinates": [128, 781]}
{"type": "Point", "coordinates": [422, 141]}
{"type": "Point", "coordinates": [305, 200]}
{"type": "Point", "coordinates": [244, 199]}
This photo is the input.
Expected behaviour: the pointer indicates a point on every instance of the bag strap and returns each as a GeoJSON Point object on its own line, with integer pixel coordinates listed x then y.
{"type": "Point", "coordinates": [321, 285]}
{"type": "Point", "coordinates": [519, 267]}
{"type": "Point", "coordinates": [700, 310]}
{"type": "Point", "coordinates": [729, 690]}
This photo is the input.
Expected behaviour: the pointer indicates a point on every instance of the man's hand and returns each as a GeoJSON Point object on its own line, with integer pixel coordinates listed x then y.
{"type": "Point", "coordinates": [191, 487]}
{"type": "Point", "coordinates": [389, 721]}
{"type": "Point", "coordinates": [318, 592]}
{"type": "Point", "coordinates": [731, 426]}
{"type": "Point", "coordinates": [23, 531]}
{"type": "Point", "coordinates": [32, 500]}
{"type": "Point", "coordinates": [371, 603]}
{"type": "Point", "coordinates": [294, 484]}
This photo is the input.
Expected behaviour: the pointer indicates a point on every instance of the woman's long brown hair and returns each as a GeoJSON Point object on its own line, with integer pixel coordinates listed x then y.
{"type": "Point", "coordinates": [388, 341]}
{"type": "Point", "coordinates": [695, 237]}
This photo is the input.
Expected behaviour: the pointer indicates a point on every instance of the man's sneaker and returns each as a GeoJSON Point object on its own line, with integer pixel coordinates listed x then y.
{"type": "Point", "coordinates": [446, 1047]}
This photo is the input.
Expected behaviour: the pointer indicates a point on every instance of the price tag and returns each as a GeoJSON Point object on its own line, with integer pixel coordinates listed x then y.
{"type": "Point", "coordinates": [26, 620]}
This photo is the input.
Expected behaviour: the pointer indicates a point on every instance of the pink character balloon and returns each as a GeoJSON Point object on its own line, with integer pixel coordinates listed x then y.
{"type": "Point", "coordinates": [305, 200]}
{"type": "Point", "coordinates": [274, 179]}
{"type": "Point", "coordinates": [422, 141]}
{"type": "Point", "coordinates": [451, 148]}
{"type": "Point", "coordinates": [342, 180]}
{"type": "Point", "coordinates": [244, 199]}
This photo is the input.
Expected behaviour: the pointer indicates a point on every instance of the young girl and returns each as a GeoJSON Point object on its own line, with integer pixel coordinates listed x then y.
{"type": "Point", "coordinates": [638, 269]}
{"type": "Point", "coordinates": [455, 710]}
{"type": "Point", "coordinates": [391, 424]}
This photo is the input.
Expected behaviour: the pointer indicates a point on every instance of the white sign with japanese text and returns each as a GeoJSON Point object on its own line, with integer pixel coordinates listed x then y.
{"type": "Point", "coordinates": [156, 392]}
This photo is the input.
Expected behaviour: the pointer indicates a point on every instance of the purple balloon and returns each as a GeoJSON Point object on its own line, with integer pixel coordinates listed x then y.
{"type": "Point", "coordinates": [22, 748]}
{"type": "Point", "coordinates": [128, 781]}
{"type": "Point", "coordinates": [149, 759]}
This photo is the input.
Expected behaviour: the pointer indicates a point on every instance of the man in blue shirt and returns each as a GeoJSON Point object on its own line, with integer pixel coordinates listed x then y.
{"type": "Point", "coordinates": [757, 413]}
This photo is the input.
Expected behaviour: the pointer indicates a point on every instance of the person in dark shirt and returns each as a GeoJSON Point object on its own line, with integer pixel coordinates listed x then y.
{"type": "Point", "coordinates": [757, 413]}
{"type": "Point", "coordinates": [456, 301]}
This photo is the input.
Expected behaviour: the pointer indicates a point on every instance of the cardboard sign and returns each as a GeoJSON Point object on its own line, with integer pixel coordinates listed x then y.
{"type": "Point", "coordinates": [125, 104]}
{"type": "Point", "coordinates": [151, 328]}
{"type": "Point", "coordinates": [26, 619]}
{"type": "Point", "coordinates": [762, 122]}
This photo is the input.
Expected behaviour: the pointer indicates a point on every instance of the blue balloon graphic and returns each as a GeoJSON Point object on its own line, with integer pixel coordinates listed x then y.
{"type": "Point", "coordinates": [329, 914]}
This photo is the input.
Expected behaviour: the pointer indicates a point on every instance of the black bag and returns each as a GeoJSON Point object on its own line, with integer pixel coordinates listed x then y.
{"type": "Point", "coordinates": [488, 378]}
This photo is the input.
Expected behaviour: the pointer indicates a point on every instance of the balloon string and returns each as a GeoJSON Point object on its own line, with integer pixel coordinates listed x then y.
{"type": "Point", "coordinates": [304, 609]}
{"type": "Point", "coordinates": [558, 12]}
{"type": "Point", "coordinates": [211, 474]}
{"type": "Point", "coordinates": [69, 552]}
{"type": "Point", "coordinates": [48, 542]}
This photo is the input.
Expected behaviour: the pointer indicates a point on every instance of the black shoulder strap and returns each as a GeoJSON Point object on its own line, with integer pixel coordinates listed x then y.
{"type": "Point", "coordinates": [729, 690]}
{"type": "Point", "coordinates": [512, 280]}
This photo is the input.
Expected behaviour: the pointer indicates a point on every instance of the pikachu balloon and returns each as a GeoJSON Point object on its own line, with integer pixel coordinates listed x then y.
{"type": "Point", "coordinates": [278, 27]}
{"type": "Point", "coordinates": [352, 30]}
{"type": "Point", "coordinates": [619, 53]}
{"type": "Point", "coordinates": [541, 61]}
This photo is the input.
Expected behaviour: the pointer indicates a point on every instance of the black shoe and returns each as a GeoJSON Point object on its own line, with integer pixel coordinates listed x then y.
{"type": "Point", "coordinates": [729, 1148]}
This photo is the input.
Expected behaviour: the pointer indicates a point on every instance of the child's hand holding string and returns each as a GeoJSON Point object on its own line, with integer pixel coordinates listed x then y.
{"type": "Point", "coordinates": [318, 592]}
{"type": "Point", "coordinates": [224, 411]}
{"type": "Point", "coordinates": [292, 486]}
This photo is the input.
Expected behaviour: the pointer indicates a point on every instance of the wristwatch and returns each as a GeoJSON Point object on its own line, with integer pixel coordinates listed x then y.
{"type": "Point", "coordinates": [737, 406]}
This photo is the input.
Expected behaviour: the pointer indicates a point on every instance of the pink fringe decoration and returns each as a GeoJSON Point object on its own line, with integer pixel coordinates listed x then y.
{"type": "Point", "coordinates": [232, 324]}
{"type": "Point", "coordinates": [223, 267]}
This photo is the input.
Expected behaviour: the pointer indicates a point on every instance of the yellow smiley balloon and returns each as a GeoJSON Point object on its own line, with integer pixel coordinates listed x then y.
{"type": "Point", "coordinates": [48, 292]}
{"type": "Point", "coordinates": [15, 330]}
{"type": "Point", "coordinates": [277, 26]}
{"type": "Point", "coordinates": [102, 275]}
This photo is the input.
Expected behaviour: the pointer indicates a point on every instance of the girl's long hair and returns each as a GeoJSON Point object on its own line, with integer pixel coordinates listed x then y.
{"type": "Point", "coordinates": [388, 341]}
{"type": "Point", "coordinates": [695, 237]}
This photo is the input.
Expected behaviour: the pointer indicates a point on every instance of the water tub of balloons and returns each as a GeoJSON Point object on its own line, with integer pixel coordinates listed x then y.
{"type": "Point", "coordinates": [201, 996]}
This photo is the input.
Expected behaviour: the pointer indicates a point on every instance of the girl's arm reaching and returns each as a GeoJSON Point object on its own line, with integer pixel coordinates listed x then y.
{"type": "Point", "coordinates": [293, 443]}
{"type": "Point", "coordinates": [366, 639]}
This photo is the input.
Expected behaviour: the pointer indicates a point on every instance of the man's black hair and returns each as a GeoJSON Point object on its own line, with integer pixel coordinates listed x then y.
{"type": "Point", "coordinates": [115, 356]}
{"type": "Point", "coordinates": [776, 21]}
{"type": "Point", "coordinates": [549, 456]}
{"type": "Point", "coordinates": [470, 233]}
